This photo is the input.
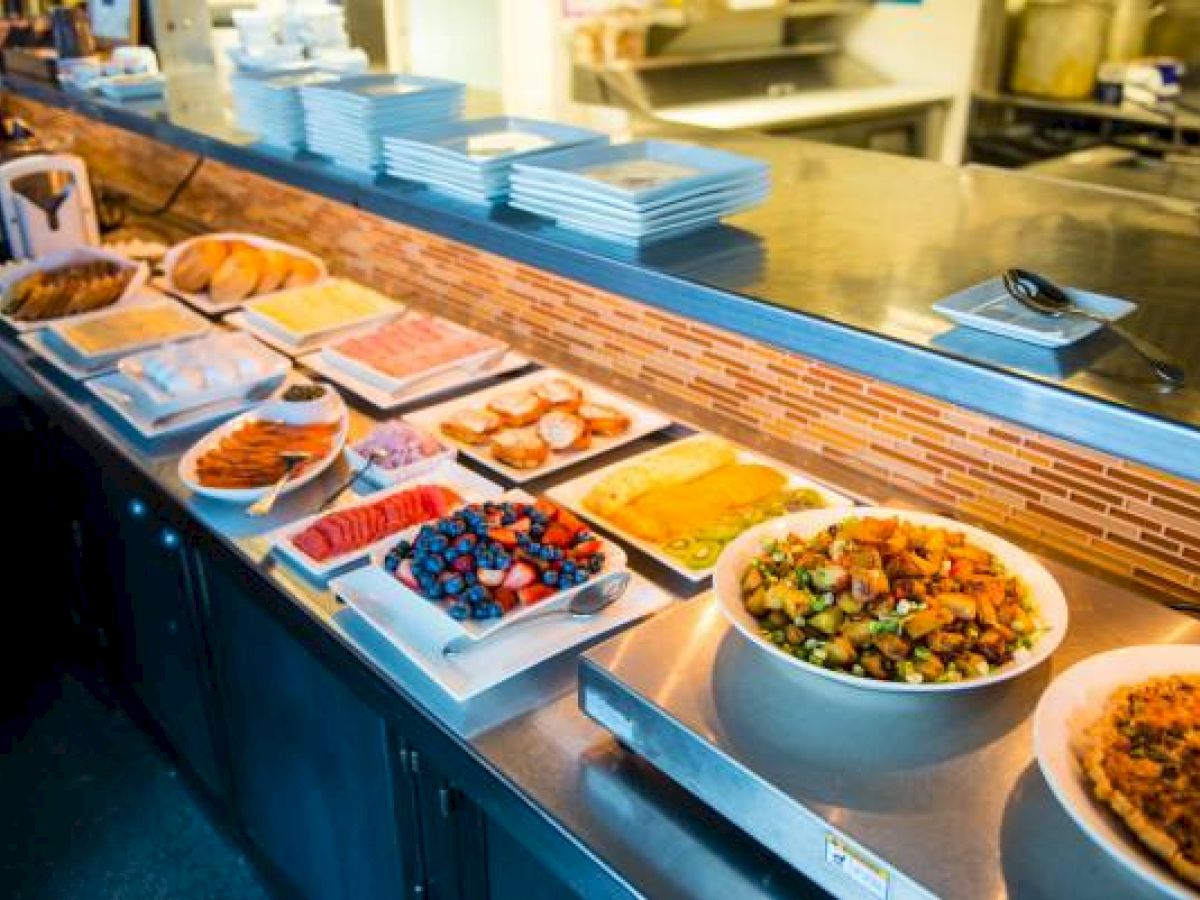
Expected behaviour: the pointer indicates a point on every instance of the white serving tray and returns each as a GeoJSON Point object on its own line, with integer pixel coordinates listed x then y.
{"type": "Point", "coordinates": [243, 322]}
{"type": "Point", "coordinates": [429, 624]}
{"type": "Point", "coordinates": [158, 403]}
{"type": "Point", "coordinates": [570, 494]}
{"type": "Point", "coordinates": [14, 272]}
{"type": "Point", "coordinates": [149, 422]}
{"type": "Point", "coordinates": [392, 385]}
{"type": "Point", "coordinates": [386, 310]}
{"type": "Point", "coordinates": [202, 301]}
{"type": "Point", "coordinates": [385, 478]}
{"type": "Point", "coordinates": [643, 421]}
{"type": "Point", "coordinates": [464, 676]}
{"type": "Point", "coordinates": [187, 463]}
{"type": "Point", "coordinates": [196, 326]}
{"type": "Point", "coordinates": [383, 400]}
{"type": "Point", "coordinates": [988, 307]}
{"type": "Point", "coordinates": [472, 487]}
{"type": "Point", "coordinates": [44, 345]}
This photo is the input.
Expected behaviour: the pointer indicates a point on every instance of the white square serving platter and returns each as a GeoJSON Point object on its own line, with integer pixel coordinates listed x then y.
{"type": "Point", "coordinates": [570, 494]}
{"type": "Point", "coordinates": [643, 421]}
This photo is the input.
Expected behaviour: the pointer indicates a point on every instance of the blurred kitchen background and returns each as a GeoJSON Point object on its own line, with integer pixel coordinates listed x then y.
{"type": "Point", "coordinates": [1105, 91]}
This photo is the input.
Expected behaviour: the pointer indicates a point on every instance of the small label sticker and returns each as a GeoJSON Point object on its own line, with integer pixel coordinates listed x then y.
{"type": "Point", "coordinates": [874, 879]}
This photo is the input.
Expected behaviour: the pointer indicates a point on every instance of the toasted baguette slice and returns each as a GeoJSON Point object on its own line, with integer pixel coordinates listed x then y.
{"type": "Point", "coordinates": [197, 265]}
{"type": "Point", "coordinates": [518, 408]}
{"type": "Point", "coordinates": [471, 426]}
{"type": "Point", "coordinates": [559, 393]}
{"type": "Point", "coordinates": [604, 420]}
{"type": "Point", "coordinates": [520, 448]}
{"type": "Point", "coordinates": [564, 431]}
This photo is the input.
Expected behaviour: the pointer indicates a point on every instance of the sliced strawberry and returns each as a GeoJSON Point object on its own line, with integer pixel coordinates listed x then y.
{"type": "Point", "coordinates": [505, 597]}
{"type": "Point", "coordinates": [463, 564]}
{"type": "Point", "coordinates": [546, 508]}
{"type": "Point", "coordinates": [520, 575]}
{"type": "Point", "coordinates": [587, 548]}
{"type": "Point", "coordinates": [506, 537]}
{"type": "Point", "coordinates": [521, 525]}
{"type": "Point", "coordinates": [557, 536]}
{"type": "Point", "coordinates": [535, 593]}
{"type": "Point", "coordinates": [491, 577]}
{"type": "Point", "coordinates": [570, 521]}
{"type": "Point", "coordinates": [404, 574]}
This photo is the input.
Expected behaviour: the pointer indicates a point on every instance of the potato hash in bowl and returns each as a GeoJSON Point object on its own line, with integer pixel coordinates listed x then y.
{"type": "Point", "coordinates": [889, 599]}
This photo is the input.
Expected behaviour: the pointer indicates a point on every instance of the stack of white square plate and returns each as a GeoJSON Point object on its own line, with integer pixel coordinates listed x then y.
{"type": "Point", "coordinates": [641, 192]}
{"type": "Point", "coordinates": [471, 160]}
{"type": "Point", "coordinates": [268, 105]}
{"type": "Point", "coordinates": [346, 119]}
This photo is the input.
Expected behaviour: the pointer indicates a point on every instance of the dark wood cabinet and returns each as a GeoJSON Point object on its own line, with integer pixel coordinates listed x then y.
{"type": "Point", "coordinates": [159, 625]}
{"type": "Point", "coordinates": [315, 785]}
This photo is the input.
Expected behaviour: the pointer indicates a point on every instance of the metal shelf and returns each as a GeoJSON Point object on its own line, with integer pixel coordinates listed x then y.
{"type": "Point", "coordinates": [800, 9]}
{"type": "Point", "coordinates": [792, 51]}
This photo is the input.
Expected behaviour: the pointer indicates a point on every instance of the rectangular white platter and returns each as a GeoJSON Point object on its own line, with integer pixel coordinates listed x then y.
{"type": "Point", "coordinates": [151, 424]}
{"type": "Point", "coordinates": [384, 310]}
{"type": "Point", "coordinates": [570, 494]}
{"type": "Point", "coordinates": [466, 675]}
{"type": "Point", "coordinates": [195, 326]}
{"type": "Point", "coordinates": [244, 323]}
{"type": "Point", "coordinates": [435, 384]}
{"type": "Point", "coordinates": [644, 421]}
{"type": "Point", "coordinates": [42, 343]}
{"type": "Point", "coordinates": [470, 486]}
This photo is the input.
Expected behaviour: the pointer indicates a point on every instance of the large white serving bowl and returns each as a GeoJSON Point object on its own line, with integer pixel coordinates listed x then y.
{"type": "Point", "coordinates": [1072, 702]}
{"type": "Point", "coordinates": [1046, 594]}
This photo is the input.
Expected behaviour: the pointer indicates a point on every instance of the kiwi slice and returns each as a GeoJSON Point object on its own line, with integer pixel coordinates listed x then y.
{"type": "Point", "coordinates": [679, 548]}
{"type": "Point", "coordinates": [703, 553]}
{"type": "Point", "coordinates": [721, 530]}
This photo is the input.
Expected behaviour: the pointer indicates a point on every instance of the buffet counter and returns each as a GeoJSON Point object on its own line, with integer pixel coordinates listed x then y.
{"type": "Point", "coordinates": [842, 263]}
{"type": "Point", "coordinates": [589, 810]}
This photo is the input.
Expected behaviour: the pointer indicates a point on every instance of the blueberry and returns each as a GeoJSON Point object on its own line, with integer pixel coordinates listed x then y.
{"type": "Point", "coordinates": [434, 564]}
{"type": "Point", "coordinates": [391, 562]}
{"type": "Point", "coordinates": [436, 591]}
{"type": "Point", "coordinates": [459, 611]}
{"type": "Point", "coordinates": [502, 561]}
{"type": "Point", "coordinates": [582, 536]}
{"type": "Point", "coordinates": [536, 532]}
{"type": "Point", "coordinates": [446, 527]}
{"type": "Point", "coordinates": [437, 544]}
{"type": "Point", "coordinates": [580, 576]}
{"type": "Point", "coordinates": [568, 566]}
{"type": "Point", "coordinates": [494, 611]}
{"type": "Point", "coordinates": [550, 578]}
{"type": "Point", "coordinates": [404, 548]}
{"type": "Point", "coordinates": [464, 545]}
{"type": "Point", "coordinates": [596, 563]}
{"type": "Point", "coordinates": [470, 579]}
{"type": "Point", "coordinates": [425, 534]}
{"type": "Point", "coordinates": [453, 585]}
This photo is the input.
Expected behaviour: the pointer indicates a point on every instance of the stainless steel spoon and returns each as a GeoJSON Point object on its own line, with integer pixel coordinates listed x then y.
{"type": "Point", "coordinates": [591, 599]}
{"type": "Point", "coordinates": [264, 504]}
{"type": "Point", "coordinates": [1043, 296]}
{"type": "Point", "coordinates": [373, 457]}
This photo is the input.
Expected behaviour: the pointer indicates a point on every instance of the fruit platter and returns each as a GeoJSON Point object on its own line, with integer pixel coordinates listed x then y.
{"type": "Point", "coordinates": [304, 319]}
{"type": "Point", "coordinates": [487, 565]}
{"type": "Point", "coordinates": [396, 451]}
{"type": "Point", "coordinates": [322, 543]}
{"type": "Point", "coordinates": [539, 423]}
{"type": "Point", "coordinates": [217, 273]}
{"type": "Point", "coordinates": [240, 460]}
{"type": "Point", "coordinates": [413, 348]}
{"type": "Point", "coordinates": [682, 503]}
{"type": "Point", "coordinates": [68, 283]}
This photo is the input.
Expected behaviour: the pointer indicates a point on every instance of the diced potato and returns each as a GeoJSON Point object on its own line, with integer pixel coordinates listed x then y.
{"type": "Point", "coordinates": [921, 623]}
{"type": "Point", "coordinates": [942, 641]}
{"type": "Point", "coordinates": [930, 668]}
{"type": "Point", "coordinates": [874, 665]}
{"type": "Point", "coordinates": [873, 531]}
{"type": "Point", "coordinates": [847, 604]}
{"type": "Point", "coordinates": [840, 651]}
{"type": "Point", "coordinates": [969, 552]}
{"type": "Point", "coordinates": [752, 580]}
{"type": "Point", "coordinates": [792, 600]}
{"type": "Point", "coordinates": [828, 620]}
{"type": "Point", "coordinates": [962, 606]}
{"type": "Point", "coordinates": [830, 578]}
{"type": "Point", "coordinates": [857, 633]}
{"type": "Point", "coordinates": [756, 603]}
{"type": "Point", "coordinates": [867, 584]}
{"type": "Point", "coordinates": [893, 646]}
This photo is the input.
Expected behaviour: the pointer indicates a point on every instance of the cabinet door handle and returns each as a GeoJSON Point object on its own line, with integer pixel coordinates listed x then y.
{"type": "Point", "coordinates": [445, 801]}
{"type": "Point", "coordinates": [138, 508]}
{"type": "Point", "coordinates": [169, 538]}
{"type": "Point", "coordinates": [414, 762]}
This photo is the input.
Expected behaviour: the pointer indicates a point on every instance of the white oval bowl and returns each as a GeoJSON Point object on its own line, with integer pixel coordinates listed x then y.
{"type": "Point", "coordinates": [1046, 594]}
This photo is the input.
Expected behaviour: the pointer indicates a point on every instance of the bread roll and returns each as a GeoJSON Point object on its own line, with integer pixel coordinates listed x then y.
{"type": "Point", "coordinates": [238, 276]}
{"type": "Point", "coordinates": [672, 465]}
{"type": "Point", "coordinates": [197, 264]}
{"type": "Point", "coordinates": [303, 273]}
{"type": "Point", "coordinates": [276, 266]}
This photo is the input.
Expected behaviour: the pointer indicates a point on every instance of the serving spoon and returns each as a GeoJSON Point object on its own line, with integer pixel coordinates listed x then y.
{"type": "Point", "coordinates": [373, 456]}
{"type": "Point", "coordinates": [1040, 294]}
{"type": "Point", "coordinates": [264, 504]}
{"type": "Point", "coordinates": [590, 600]}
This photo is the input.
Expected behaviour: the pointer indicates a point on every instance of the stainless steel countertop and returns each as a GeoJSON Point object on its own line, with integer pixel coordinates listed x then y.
{"type": "Point", "coordinates": [631, 819]}
{"type": "Point", "coordinates": [861, 245]}
{"type": "Point", "coordinates": [943, 789]}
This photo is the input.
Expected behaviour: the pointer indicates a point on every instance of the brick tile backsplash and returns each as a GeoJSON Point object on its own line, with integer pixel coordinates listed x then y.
{"type": "Point", "coordinates": [1132, 521]}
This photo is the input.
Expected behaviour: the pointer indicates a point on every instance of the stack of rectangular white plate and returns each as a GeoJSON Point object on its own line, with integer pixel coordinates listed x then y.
{"type": "Point", "coordinates": [268, 105]}
{"type": "Point", "coordinates": [347, 119]}
{"type": "Point", "coordinates": [471, 160]}
{"type": "Point", "coordinates": [641, 192]}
